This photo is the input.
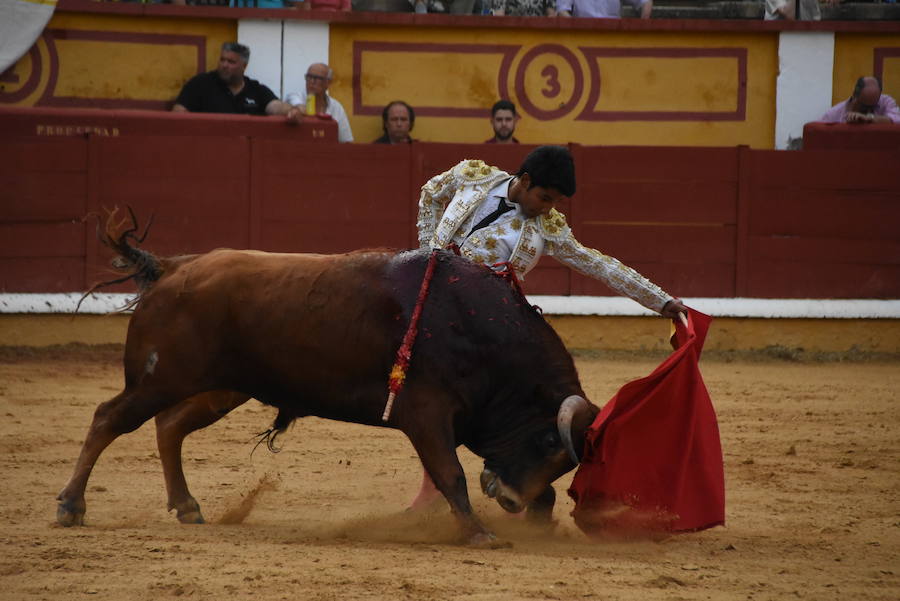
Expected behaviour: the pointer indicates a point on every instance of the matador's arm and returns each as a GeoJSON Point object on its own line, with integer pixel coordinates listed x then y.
{"type": "Point", "coordinates": [561, 244]}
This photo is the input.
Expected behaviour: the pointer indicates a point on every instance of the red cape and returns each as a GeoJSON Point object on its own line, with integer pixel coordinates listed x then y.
{"type": "Point", "coordinates": [652, 460]}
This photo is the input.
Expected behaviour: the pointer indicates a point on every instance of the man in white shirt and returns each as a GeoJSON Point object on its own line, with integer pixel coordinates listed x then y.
{"type": "Point", "coordinates": [318, 78]}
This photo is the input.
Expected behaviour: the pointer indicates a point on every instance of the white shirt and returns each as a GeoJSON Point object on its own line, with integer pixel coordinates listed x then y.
{"type": "Point", "coordinates": [809, 10]}
{"type": "Point", "coordinates": [504, 237]}
{"type": "Point", "coordinates": [334, 109]}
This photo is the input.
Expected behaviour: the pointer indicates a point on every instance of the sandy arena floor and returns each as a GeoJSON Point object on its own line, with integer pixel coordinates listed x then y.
{"type": "Point", "coordinates": [812, 458]}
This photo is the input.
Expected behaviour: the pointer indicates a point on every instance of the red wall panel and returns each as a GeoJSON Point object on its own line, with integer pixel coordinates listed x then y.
{"type": "Point", "coordinates": [685, 244]}
{"type": "Point", "coordinates": [639, 163]}
{"type": "Point", "coordinates": [784, 278]}
{"type": "Point", "coordinates": [41, 274]}
{"type": "Point", "coordinates": [317, 198]}
{"type": "Point", "coordinates": [197, 188]}
{"type": "Point", "coordinates": [844, 136]}
{"type": "Point", "coordinates": [810, 224]}
{"type": "Point", "coordinates": [658, 201]}
{"type": "Point", "coordinates": [825, 170]}
{"type": "Point", "coordinates": [46, 196]}
{"type": "Point", "coordinates": [42, 179]}
{"type": "Point", "coordinates": [824, 224]}
{"type": "Point", "coordinates": [42, 239]}
{"type": "Point", "coordinates": [841, 213]}
{"type": "Point", "coordinates": [28, 153]}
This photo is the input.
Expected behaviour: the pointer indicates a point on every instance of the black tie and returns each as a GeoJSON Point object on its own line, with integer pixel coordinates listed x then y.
{"type": "Point", "coordinates": [492, 216]}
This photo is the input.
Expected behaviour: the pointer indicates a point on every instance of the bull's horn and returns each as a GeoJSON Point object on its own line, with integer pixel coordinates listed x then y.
{"type": "Point", "coordinates": [567, 411]}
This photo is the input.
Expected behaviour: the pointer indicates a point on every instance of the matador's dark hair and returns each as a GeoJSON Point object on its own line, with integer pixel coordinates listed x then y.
{"type": "Point", "coordinates": [550, 167]}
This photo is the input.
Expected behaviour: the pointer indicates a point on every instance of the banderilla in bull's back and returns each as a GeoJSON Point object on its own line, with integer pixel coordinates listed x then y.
{"type": "Point", "coordinates": [486, 372]}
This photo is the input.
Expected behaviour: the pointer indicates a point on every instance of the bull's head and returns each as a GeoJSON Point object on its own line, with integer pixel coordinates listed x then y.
{"type": "Point", "coordinates": [545, 455]}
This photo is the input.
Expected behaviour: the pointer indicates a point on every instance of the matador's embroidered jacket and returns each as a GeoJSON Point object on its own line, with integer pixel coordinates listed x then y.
{"type": "Point", "coordinates": [447, 209]}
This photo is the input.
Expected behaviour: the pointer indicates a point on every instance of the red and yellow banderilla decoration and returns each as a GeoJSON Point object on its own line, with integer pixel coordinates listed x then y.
{"type": "Point", "coordinates": [404, 353]}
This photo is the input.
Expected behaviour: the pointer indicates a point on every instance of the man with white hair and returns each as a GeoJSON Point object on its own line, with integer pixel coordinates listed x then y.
{"type": "Point", "coordinates": [318, 78]}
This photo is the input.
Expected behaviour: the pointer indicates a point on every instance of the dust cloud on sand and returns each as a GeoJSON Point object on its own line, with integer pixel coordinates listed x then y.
{"type": "Point", "coordinates": [238, 510]}
{"type": "Point", "coordinates": [812, 460]}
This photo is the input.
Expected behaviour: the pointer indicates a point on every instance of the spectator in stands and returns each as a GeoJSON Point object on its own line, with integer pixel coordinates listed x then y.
{"type": "Point", "coordinates": [397, 120]}
{"type": "Point", "coordinates": [867, 105]}
{"type": "Point", "coordinates": [791, 10]}
{"type": "Point", "coordinates": [227, 90]}
{"type": "Point", "coordinates": [457, 7]}
{"type": "Point", "coordinates": [524, 8]}
{"type": "Point", "coordinates": [318, 78]}
{"type": "Point", "coordinates": [332, 5]}
{"type": "Point", "coordinates": [259, 3]}
{"type": "Point", "coordinates": [601, 9]}
{"type": "Point", "coordinates": [503, 120]}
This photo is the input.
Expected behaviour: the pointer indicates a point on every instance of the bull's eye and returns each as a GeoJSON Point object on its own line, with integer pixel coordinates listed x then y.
{"type": "Point", "coordinates": [550, 441]}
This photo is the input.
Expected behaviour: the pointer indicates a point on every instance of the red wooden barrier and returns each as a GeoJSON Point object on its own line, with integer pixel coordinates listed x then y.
{"type": "Point", "coordinates": [31, 121]}
{"type": "Point", "coordinates": [699, 221]}
{"type": "Point", "coordinates": [824, 224]}
{"type": "Point", "coordinates": [848, 136]}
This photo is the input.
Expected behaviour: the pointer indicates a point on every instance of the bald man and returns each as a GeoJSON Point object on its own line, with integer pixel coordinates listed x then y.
{"type": "Point", "coordinates": [867, 105]}
{"type": "Point", "coordinates": [318, 78]}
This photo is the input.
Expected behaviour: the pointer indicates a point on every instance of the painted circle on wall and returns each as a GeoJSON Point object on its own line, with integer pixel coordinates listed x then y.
{"type": "Point", "coordinates": [549, 82]}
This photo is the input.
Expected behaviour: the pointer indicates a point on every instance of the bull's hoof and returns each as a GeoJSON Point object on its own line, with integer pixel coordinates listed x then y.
{"type": "Point", "coordinates": [66, 516]}
{"type": "Point", "coordinates": [188, 512]}
{"type": "Point", "coordinates": [486, 540]}
{"type": "Point", "coordinates": [191, 517]}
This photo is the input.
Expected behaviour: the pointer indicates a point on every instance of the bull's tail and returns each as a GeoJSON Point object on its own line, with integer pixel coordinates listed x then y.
{"type": "Point", "coordinates": [282, 421]}
{"type": "Point", "coordinates": [142, 266]}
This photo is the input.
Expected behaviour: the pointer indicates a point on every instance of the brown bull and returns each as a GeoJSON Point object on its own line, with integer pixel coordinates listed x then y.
{"type": "Point", "coordinates": [317, 335]}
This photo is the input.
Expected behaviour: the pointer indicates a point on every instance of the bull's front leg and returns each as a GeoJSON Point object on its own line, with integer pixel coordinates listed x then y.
{"type": "Point", "coordinates": [437, 451]}
{"type": "Point", "coordinates": [540, 510]}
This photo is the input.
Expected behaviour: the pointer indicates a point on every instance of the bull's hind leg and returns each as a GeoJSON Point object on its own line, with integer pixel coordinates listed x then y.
{"type": "Point", "coordinates": [122, 414]}
{"type": "Point", "coordinates": [172, 426]}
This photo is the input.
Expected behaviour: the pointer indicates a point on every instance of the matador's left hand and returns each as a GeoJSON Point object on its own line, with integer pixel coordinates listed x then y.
{"type": "Point", "coordinates": [672, 308]}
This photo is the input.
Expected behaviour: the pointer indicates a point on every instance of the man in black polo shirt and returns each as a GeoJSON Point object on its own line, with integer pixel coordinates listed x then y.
{"type": "Point", "coordinates": [227, 90]}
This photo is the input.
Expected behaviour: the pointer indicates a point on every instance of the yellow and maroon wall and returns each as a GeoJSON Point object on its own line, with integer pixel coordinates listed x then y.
{"type": "Point", "coordinates": [593, 82]}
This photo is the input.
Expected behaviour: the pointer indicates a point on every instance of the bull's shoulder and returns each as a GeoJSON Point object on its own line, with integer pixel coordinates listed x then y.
{"type": "Point", "coordinates": [553, 226]}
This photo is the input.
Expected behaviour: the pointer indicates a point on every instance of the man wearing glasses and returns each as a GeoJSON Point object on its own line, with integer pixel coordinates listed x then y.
{"type": "Point", "coordinates": [316, 100]}
{"type": "Point", "coordinates": [866, 105]}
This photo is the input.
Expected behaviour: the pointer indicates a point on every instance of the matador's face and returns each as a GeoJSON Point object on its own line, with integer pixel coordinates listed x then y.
{"type": "Point", "coordinates": [534, 201]}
